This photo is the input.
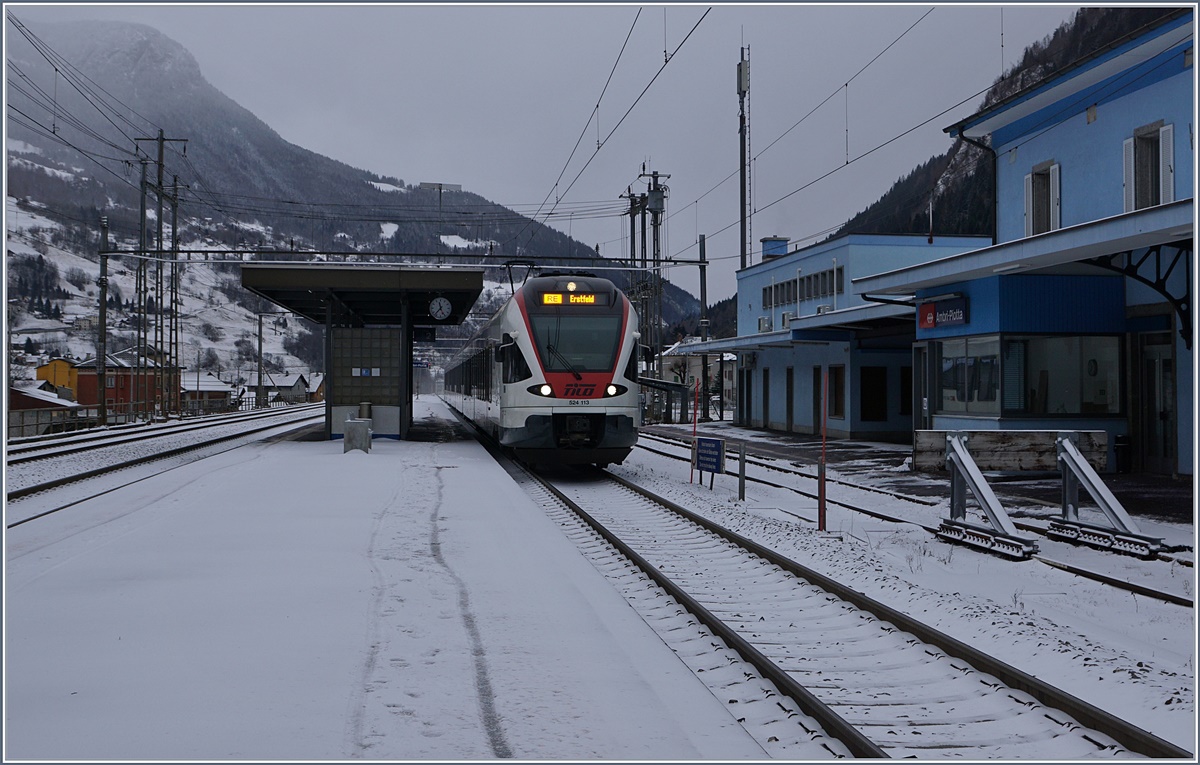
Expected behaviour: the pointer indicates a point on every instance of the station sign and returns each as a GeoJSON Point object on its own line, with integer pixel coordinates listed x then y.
{"type": "Point", "coordinates": [943, 313]}
{"type": "Point", "coordinates": [708, 454]}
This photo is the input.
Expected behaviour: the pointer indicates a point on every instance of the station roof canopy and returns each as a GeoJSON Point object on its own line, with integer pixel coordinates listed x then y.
{"type": "Point", "coordinates": [1126, 232]}
{"type": "Point", "coordinates": [367, 294]}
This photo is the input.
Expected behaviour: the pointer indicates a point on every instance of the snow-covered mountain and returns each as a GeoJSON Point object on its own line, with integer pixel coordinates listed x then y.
{"type": "Point", "coordinates": [70, 161]}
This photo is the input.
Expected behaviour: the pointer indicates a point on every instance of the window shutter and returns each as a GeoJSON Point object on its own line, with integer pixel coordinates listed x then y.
{"type": "Point", "coordinates": [1029, 205]}
{"type": "Point", "coordinates": [1055, 211]}
{"type": "Point", "coordinates": [1129, 198]}
{"type": "Point", "coordinates": [1166, 156]}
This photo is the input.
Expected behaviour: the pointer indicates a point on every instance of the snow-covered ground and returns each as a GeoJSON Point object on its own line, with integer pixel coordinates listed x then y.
{"type": "Point", "coordinates": [291, 601]}
{"type": "Point", "coordinates": [1122, 652]}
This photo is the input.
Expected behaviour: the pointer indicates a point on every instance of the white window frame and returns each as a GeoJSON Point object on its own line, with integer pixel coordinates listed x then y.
{"type": "Point", "coordinates": [1054, 200]}
{"type": "Point", "coordinates": [1166, 167]}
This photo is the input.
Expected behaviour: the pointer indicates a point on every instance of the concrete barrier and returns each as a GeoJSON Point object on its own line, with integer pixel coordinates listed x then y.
{"type": "Point", "coordinates": [357, 435]}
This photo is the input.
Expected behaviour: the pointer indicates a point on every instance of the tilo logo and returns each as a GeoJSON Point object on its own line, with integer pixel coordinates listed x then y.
{"type": "Point", "coordinates": [580, 391]}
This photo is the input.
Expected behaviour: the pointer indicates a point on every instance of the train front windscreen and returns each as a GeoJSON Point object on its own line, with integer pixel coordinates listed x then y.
{"type": "Point", "coordinates": [576, 342]}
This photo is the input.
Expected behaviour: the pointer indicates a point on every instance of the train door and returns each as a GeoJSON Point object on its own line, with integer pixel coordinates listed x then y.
{"type": "Point", "coordinates": [1156, 408]}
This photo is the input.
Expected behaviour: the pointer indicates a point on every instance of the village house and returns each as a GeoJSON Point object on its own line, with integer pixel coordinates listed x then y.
{"type": "Point", "coordinates": [205, 394]}
{"type": "Point", "coordinates": [35, 407]}
{"type": "Point", "coordinates": [131, 380]}
{"type": "Point", "coordinates": [280, 387]}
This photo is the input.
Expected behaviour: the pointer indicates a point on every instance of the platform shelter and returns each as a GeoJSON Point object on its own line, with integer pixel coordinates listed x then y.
{"type": "Point", "coordinates": [371, 314]}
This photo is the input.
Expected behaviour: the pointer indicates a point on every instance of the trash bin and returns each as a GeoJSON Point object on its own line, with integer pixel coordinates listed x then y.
{"type": "Point", "coordinates": [364, 410]}
{"type": "Point", "coordinates": [1123, 453]}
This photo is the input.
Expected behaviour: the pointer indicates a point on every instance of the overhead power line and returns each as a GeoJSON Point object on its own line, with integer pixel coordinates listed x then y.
{"type": "Point", "coordinates": [600, 143]}
{"type": "Point", "coordinates": [812, 111]}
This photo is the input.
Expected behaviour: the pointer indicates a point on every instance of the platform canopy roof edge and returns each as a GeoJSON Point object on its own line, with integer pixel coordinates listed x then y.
{"type": "Point", "coordinates": [367, 294]}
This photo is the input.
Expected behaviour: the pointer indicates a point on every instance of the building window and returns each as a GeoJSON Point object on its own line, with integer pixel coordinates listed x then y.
{"type": "Point", "coordinates": [969, 382]}
{"type": "Point", "coordinates": [1052, 375]}
{"type": "Point", "coordinates": [1042, 200]}
{"type": "Point", "coordinates": [821, 284]}
{"type": "Point", "coordinates": [1149, 167]}
{"type": "Point", "coordinates": [837, 392]}
{"type": "Point", "coordinates": [110, 381]}
{"type": "Point", "coordinates": [1030, 375]}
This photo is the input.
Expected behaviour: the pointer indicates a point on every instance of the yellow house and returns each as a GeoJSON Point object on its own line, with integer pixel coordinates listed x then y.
{"type": "Point", "coordinates": [60, 373]}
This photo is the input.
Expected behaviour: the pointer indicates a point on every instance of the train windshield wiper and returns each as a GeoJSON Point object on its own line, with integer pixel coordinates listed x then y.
{"type": "Point", "coordinates": [558, 355]}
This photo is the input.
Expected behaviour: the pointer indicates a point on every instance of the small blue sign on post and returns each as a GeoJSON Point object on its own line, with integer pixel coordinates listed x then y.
{"type": "Point", "coordinates": [708, 455]}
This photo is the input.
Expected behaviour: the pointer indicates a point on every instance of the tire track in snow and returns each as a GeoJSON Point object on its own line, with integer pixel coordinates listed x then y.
{"type": "Point", "coordinates": [483, 684]}
{"type": "Point", "coordinates": [357, 714]}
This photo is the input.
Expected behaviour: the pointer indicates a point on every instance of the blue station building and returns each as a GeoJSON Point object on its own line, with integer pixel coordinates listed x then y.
{"type": "Point", "coordinates": [1075, 314]}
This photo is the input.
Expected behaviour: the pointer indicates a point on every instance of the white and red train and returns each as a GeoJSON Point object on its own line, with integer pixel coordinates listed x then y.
{"type": "Point", "coordinates": [553, 375]}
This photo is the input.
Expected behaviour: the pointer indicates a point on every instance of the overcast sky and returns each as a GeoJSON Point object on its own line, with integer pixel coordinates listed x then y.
{"type": "Point", "coordinates": [495, 98]}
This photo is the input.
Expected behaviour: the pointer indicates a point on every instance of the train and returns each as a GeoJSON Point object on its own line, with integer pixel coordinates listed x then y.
{"type": "Point", "coordinates": [552, 376]}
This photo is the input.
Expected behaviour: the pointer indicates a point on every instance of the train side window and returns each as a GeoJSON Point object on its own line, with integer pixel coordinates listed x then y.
{"type": "Point", "coordinates": [515, 367]}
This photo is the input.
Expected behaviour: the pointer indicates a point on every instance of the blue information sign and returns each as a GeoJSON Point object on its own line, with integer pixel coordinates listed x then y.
{"type": "Point", "coordinates": [708, 455]}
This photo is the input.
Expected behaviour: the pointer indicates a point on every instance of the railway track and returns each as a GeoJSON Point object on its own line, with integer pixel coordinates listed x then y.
{"type": "Point", "coordinates": [73, 477]}
{"type": "Point", "coordinates": [877, 681]}
{"type": "Point", "coordinates": [62, 445]}
{"type": "Point", "coordinates": [1096, 576]}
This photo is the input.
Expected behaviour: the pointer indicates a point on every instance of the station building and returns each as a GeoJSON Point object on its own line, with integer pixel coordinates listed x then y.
{"type": "Point", "coordinates": [1076, 314]}
{"type": "Point", "coordinates": [1080, 316]}
{"type": "Point", "coordinates": [804, 334]}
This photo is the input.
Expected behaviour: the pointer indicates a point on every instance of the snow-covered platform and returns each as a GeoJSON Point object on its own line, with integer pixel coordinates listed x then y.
{"type": "Point", "coordinates": [290, 601]}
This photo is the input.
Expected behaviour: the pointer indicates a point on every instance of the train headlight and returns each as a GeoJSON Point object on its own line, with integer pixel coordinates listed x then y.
{"type": "Point", "coordinates": [614, 390]}
{"type": "Point", "coordinates": [542, 390]}
{"type": "Point", "coordinates": [545, 390]}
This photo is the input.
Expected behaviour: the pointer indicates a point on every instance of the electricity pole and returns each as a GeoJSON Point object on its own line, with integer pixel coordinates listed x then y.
{"type": "Point", "coordinates": [258, 395]}
{"type": "Point", "coordinates": [743, 86]}
{"type": "Point", "coordinates": [162, 397]}
{"type": "Point", "coordinates": [175, 403]}
{"type": "Point", "coordinates": [704, 327]}
{"type": "Point", "coordinates": [138, 393]}
{"type": "Point", "coordinates": [656, 203]}
{"type": "Point", "coordinates": [102, 336]}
